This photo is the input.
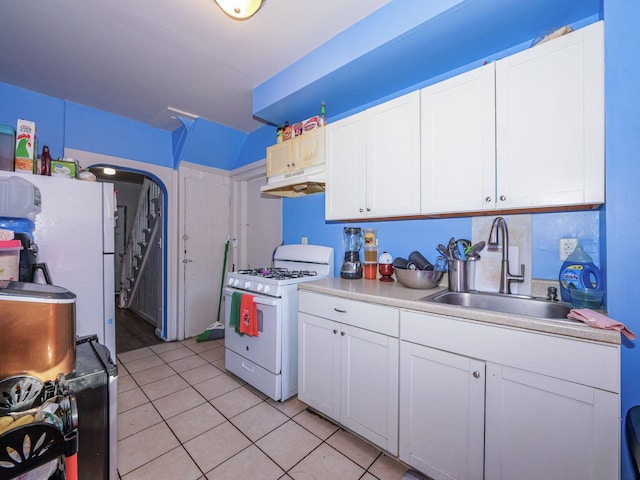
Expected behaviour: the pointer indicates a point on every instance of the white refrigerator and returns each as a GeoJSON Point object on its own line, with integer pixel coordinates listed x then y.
{"type": "Point", "coordinates": [74, 233]}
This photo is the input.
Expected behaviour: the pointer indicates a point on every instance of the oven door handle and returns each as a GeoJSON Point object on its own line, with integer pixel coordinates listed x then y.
{"type": "Point", "coordinates": [269, 301]}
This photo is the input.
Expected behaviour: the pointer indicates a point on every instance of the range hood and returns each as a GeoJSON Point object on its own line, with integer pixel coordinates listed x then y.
{"type": "Point", "coordinates": [295, 184]}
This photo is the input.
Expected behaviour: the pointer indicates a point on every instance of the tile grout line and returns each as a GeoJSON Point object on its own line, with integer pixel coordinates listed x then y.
{"type": "Point", "coordinates": [229, 419]}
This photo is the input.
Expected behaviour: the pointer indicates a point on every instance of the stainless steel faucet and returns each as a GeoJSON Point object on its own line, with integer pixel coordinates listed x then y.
{"type": "Point", "coordinates": [493, 244]}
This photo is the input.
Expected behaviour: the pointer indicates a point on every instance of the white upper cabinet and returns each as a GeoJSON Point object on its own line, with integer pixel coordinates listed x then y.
{"type": "Point", "coordinates": [345, 193]}
{"type": "Point", "coordinates": [373, 162]}
{"type": "Point", "coordinates": [550, 122]}
{"type": "Point", "coordinates": [458, 143]}
{"type": "Point", "coordinates": [525, 132]}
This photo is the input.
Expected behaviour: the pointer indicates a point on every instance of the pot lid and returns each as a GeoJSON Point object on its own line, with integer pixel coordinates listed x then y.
{"type": "Point", "coordinates": [35, 292]}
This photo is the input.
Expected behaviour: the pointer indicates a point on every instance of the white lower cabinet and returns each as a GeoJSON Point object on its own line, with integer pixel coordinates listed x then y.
{"type": "Point", "coordinates": [483, 401]}
{"type": "Point", "coordinates": [544, 427]}
{"type": "Point", "coordinates": [347, 372]}
{"type": "Point", "coordinates": [441, 412]}
{"type": "Point", "coordinates": [461, 399]}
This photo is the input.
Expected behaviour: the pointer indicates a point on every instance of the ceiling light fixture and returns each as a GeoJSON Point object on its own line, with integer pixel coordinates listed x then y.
{"type": "Point", "coordinates": [239, 9]}
{"type": "Point", "coordinates": [109, 171]}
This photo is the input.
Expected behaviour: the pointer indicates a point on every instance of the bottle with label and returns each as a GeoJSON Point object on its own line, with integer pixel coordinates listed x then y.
{"type": "Point", "coordinates": [323, 114]}
{"type": "Point", "coordinates": [578, 271]}
{"type": "Point", "coordinates": [45, 160]}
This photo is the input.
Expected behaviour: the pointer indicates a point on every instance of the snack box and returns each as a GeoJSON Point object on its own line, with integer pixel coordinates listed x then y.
{"type": "Point", "coordinates": [26, 156]}
{"type": "Point", "coordinates": [311, 124]}
{"type": "Point", "coordinates": [66, 168]}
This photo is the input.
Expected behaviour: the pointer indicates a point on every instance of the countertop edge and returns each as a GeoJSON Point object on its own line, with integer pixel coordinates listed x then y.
{"type": "Point", "coordinates": [395, 295]}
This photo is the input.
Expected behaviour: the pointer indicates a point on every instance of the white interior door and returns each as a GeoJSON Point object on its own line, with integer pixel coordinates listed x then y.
{"type": "Point", "coordinates": [256, 220]}
{"type": "Point", "coordinates": [206, 229]}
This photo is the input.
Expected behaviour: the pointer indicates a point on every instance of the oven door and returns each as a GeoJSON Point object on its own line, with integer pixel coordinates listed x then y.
{"type": "Point", "coordinates": [265, 350]}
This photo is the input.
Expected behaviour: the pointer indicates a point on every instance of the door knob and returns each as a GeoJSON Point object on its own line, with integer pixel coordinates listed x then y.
{"type": "Point", "coordinates": [476, 374]}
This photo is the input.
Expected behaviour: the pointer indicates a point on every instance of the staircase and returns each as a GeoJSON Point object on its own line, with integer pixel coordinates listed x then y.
{"type": "Point", "coordinates": [143, 242]}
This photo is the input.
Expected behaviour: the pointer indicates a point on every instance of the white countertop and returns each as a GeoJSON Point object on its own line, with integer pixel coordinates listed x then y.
{"type": "Point", "coordinates": [396, 295]}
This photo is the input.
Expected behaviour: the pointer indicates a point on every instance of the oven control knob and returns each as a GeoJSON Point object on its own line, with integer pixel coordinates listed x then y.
{"type": "Point", "coordinates": [230, 281]}
{"type": "Point", "coordinates": [247, 285]}
{"type": "Point", "coordinates": [259, 287]}
{"type": "Point", "coordinates": [236, 282]}
{"type": "Point", "coordinates": [267, 289]}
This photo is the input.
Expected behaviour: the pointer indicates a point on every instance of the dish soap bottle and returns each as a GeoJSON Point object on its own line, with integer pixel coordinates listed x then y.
{"type": "Point", "coordinates": [578, 271]}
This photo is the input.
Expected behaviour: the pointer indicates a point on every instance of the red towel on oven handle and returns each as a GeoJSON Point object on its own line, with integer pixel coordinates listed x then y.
{"type": "Point", "coordinates": [248, 316]}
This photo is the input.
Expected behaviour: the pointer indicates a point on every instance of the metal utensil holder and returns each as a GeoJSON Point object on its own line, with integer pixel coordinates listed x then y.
{"type": "Point", "coordinates": [458, 275]}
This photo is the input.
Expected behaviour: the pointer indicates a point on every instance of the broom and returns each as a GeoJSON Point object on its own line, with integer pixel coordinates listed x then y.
{"type": "Point", "coordinates": [216, 329]}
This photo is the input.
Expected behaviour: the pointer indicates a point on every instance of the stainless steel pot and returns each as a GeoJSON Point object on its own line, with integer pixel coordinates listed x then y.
{"type": "Point", "coordinates": [37, 330]}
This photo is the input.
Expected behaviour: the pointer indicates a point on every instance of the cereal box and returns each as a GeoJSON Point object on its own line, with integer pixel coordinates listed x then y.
{"type": "Point", "coordinates": [26, 156]}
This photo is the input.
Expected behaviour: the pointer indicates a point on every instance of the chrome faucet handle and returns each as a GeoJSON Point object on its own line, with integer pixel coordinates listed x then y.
{"type": "Point", "coordinates": [552, 294]}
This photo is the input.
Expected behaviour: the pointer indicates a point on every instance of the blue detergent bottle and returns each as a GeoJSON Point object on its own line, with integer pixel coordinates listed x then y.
{"type": "Point", "coordinates": [578, 271]}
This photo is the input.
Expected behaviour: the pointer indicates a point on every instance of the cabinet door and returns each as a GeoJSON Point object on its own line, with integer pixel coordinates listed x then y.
{"type": "Point", "coordinates": [345, 195]}
{"type": "Point", "coordinates": [279, 157]}
{"type": "Point", "coordinates": [550, 122]}
{"type": "Point", "coordinates": [319, 364]}
{"type": "Point", "coordinates": [442, 412]}
{"type": "Point", "coordinates": [393, 157]}
{"type": "Point", "coordinates": [458, 143]}
{"type": "Point", "coordinates": [544, 427]}
{"type": "Point", "coordinates": [308, 149]}
{"type": "Point", "coordinates": [369, 399]}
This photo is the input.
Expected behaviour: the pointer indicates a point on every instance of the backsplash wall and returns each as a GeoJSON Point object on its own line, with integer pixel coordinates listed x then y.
{"type": "Point", "coordinates": [304, 217]}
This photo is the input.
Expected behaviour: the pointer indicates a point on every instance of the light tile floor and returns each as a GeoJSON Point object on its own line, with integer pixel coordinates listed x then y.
{"type": "Point", "coordinates": [182, 415]}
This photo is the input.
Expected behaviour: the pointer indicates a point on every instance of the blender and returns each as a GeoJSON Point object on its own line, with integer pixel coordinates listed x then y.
{"type": "Point", "coordinates": [352, 267]}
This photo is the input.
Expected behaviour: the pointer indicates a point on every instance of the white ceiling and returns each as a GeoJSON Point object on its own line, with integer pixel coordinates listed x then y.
{"type": "Point", "coordinates": [136, 58]}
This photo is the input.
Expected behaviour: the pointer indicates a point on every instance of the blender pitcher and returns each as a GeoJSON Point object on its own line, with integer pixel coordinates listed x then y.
{"type": "Point", "coordinates": [353, 240]}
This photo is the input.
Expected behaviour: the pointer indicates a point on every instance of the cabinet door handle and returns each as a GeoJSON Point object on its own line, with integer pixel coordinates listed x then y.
{"type": "Point", "coordinates": [335, 331]}
{"type": "Point", "coordinates": [368, 209]}
{"type": "Point", "coordinates": [339, 310]}
{"type": "Point", "coordinates": [361, 210]}
{"type": "Point", "coordinates": [476, 374]}
{"type": "Point", "coordinates": [488, 199]}
{"type": "Point", "coordinates": [342, 334]}
{"type": "Point", "coordinates": [503, 198]}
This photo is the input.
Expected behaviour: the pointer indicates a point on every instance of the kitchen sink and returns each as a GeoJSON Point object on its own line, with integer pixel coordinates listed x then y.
{"type": "Point", "coordinates": [498, 302]}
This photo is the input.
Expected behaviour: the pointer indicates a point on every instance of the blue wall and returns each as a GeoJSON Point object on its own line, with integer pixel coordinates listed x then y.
{"type": "Point", "coordinates": [622, 219]}
{"type": "Point", "coordinates": [304, 217]}
{"type": "Point", "coordinates": [61, 124]}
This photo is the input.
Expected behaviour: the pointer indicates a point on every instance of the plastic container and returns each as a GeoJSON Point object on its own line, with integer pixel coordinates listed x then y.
{"type": "Point", "coordinates": [19, 198]}
{"type": "Point", "coordinates": [587, 298]}
{"type": "Point", "coordinates": [578, 272]}
{"type": "Point", "coordinates": [10, 259]}
{"type": "Point", "coordinates": [18, 225]}
{"type": "Point", "coordinates": [7, 147]}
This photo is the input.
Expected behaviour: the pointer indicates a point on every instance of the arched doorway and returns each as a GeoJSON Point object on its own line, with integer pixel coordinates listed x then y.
{"type": "Point", "coordinates": [140, 255]}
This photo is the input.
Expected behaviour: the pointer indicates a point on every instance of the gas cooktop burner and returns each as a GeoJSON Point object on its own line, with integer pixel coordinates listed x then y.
{"type": "Point", "coordinates": [278, 273]}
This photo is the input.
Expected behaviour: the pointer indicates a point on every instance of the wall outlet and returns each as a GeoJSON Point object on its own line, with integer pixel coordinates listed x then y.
{"type": "Point", "coordinates": [234, 243]}
{"type": "Point", "coordinates": [567, 246]}
{"type": "Point", "coordinates": [303, 240]}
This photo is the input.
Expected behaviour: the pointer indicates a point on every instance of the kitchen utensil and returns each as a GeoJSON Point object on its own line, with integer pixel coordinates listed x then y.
{"type": "Point", "coordinates": [464, 246]}
{"type": "Point", "coordinates": [458, 276]}
{"type": "Point", "coordinates": [440, 264]}
{"type": "Point", "coordinates": [443, 250]}
{"type": "Point", "coordinates": [477, 247]}
{"type": "Point", "coordinates": [452, 248]}
{"type": "Point", "coordinates": [18, 393]}
{"type": "Point", "coordinates": [419, 279]}
{"type": "Point", "coordinates": [420, 261]}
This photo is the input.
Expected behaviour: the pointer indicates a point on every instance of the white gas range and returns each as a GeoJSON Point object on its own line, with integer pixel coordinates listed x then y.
{"type": "Point", "coordinates": [269, 361]}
